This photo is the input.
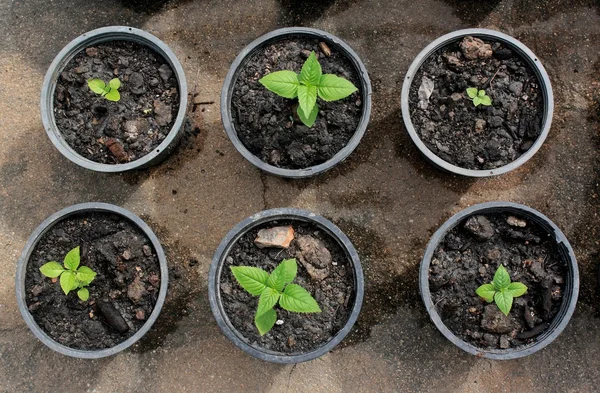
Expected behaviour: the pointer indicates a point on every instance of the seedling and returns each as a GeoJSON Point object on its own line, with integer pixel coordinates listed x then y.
{"type": "Point", "coordinates": [109, 91]}
{"type": "Point", "coordinates": [307, 86]}
{"type": "Point", "coordinates": [501, 290]}
{"type": "Point", "coordinates": [274, 288]}
{"type": "Point", "coordinates": [72, 276]}
{"type": "Point", "coordinates": [478, 97]}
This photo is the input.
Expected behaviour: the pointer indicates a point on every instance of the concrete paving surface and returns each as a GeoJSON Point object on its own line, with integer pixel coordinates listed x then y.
{"type": "Point", "coordinates": [385, 196]}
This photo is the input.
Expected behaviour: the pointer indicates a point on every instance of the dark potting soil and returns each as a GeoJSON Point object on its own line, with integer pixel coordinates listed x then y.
{"type": "Point", "coordinates": [268, 125]}
{"type": "Point", "coordinates": [116, 132]}
{"type": "Point", "coordinates": [299, 333]}
{"type": "Point", "coordinates": [128, 278]}
{"type": "Point", "coordinates": [483, 137]}
{"type": "Point", "coordinates": [469, 256]}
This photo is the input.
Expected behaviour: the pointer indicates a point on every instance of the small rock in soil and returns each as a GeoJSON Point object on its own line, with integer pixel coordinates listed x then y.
{"type": "Point", "coordinates": [504, 343]}
{"type": "Point", "coordinates": [456, 97]}
{"type": "Point", "coordinates": [113, 317]}
{"type": "Point", "coordinates": [91, 51]}
{"type": "Point", "coordinates": [313, 251]}
{"type": "Point", "coordinates": [528, 317]}
{"type": "Point", "coordinates": [147, 250]}
{"type": "Point", "coordinates": [163, 113]}
{"type": "Point", "coordinates": [480, 227]}
{"type": "Point", "coordinates": [474, 48]}
{"type": "Point", "coordinates": [494, 321]}
{"type": "Point", "coordinates": [136, 290]}
{"type": "Point", "coordinates": [165, 72]}
{"type": "Point", "coordinates": [425, 91]}
{"type": "Point", "coordinates": [480, 125]}
{"type": "Point", "coordinates": [280, 237]}
{"type": "Point", "coordinates": [279, 322]}
{"type": "Point", "coordinates": [34, 306]}
{"type": "Point", "coordinates": [140, 315]}
{"type": "Point", "coordinates": [127, 255]}
{"type": "Point", "coordinates": [526, 146]}
{"type": "Point", "coordinates": [117, 150]}
{"type": "Point", "coordinates": [516, 88]}
{"type": "Point", "coordinates": [136, 127]}
{"type": "Point", "coordinates": [136, 83]}
{"type": "Point", "coordinates": [36, 290]}
{"type": "Point", "coordinates": [490, 340]}
{"type": "Point", "coordinates": [516, 222]}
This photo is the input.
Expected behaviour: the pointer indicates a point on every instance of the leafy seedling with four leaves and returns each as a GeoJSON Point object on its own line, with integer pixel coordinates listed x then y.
{"type": "Point", "coordinates": [502, 290]}
{"type": "Point", "coordinates": [109, 91]}
{"type": "Point", "coordinates": [479, 97]}
{"type": "Point", "coordinates": [72, 276]}
{"type": "Point", "coordinates": [273, 288]}
{"type": "Point", "coordinates": [307, 86]}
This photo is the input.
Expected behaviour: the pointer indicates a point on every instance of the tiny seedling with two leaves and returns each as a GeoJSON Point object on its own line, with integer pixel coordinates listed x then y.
{"type": "Point", "coordinates": [109, 91]}
{"type": "Point", "coordinates": [479, 97]}
{"type": "Point", "coordinates": [307, 86]}
{"type": "Point", "coordinates": [502, 290]}
{"type": "Point", "coordinates": [273, 288]}
{"type": "Point", "coordinates": [72, 276]}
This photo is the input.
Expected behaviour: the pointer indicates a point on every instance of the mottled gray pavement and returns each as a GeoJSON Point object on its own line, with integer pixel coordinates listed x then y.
{"type": "Point", "coordinates": [385, 196]}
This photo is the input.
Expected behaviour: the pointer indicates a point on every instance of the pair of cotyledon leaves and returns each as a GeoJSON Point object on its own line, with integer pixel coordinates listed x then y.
{"type": "Point", "coordinates": [72, 276]}
{"type": "Point", "coordinates": [479, 97]}
{"type": "Point", "coordinates": [109, 91]}
{"type": "Point", "coordinates": [273, 288]}
{"type": "Point", "coordinates": [502, 290]}
{"type": "Point", "coordinates": [307, 86]}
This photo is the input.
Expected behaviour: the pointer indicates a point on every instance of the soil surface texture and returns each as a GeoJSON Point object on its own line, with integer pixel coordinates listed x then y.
{"type": "Point", "coordinates": [469, 256]}
{"type": "Point", "coordinates": [116, 132]}
{"type": "Point", "coordinates": [127, 281]}
{"type": "Point", "coordinates": [330, 280]}
{"type": "Point", "coordinates": [482, 137]}
{"type": "Point", "coordinates": [268, 124]}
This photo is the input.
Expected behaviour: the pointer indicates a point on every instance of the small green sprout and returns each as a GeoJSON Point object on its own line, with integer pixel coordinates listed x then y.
{"type": "Point", "coordinates": [501, 290]}
{"type": "Point", "coordinates": [71, 278]}
{"type": "Point", "coordinates": [307, 86]}
{"type": "Point", "coordinates": [478, 97]}
{"type": "Point", "coordinates": [271, 290]}
{"type": "Point", "coordinates": [109, 91]}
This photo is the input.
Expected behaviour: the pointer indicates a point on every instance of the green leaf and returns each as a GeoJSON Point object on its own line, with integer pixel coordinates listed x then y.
{"type": "Point", "coordinates": [476, 101]}
{"type": "Point", "coordinates": [52, 269]}
{"type": "Point", "coordinates": [72, 258]}
{"type": "Point", "coordinates": [97, 86]}
{"type": "Point", "coordinates": [504, 301]}
{"type": "Point", "coordinates": [283, 83]}
{"type": "Point", "coordinates": [332, 88]}
{"type": "Point", "coordinates": [486, 100]}
{"type": "Point", "coordinates": [252, 279]}
{"type": "Point", "coordinates": [487, 292]}
{"type": "Point", "coordinates": [83, 294]}
{"type": "Point", "coordinates": [501, 278]}
{"type": "Point", "coordinates": [481, 93]}
{"type": "Point", "coordinates": [472, 92]}
{"type": "Point", "coordinates": [264, 322]}
{"type": "Point", "coordinates": [113, 95]}
{"type": "Point", "coordinates": [268, 300]}
{"type": "Point", "coordinates": [68, 282]}
{"type": "Point", "coordinates": [297, 299]}
{"type": "Point", "coordinates": [307, 98]}
{"type": "Point", "coordinates": [283, 274]}
{"type": "Point", "coordinates": [311, 71]}
{"type": "Point", "coordinates": [310, 120]}
{"type": "Point", "coordinates": [114, 83]}
{"type": "Point", "coordinates": [85, 275]}
{"type": "Point", "coordinates": [516, 289]}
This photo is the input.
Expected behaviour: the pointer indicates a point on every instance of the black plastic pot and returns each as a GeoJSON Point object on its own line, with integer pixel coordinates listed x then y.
{"type": "Point", "coordinates": [104, 34]}
{"type": "Point", "coordinates": [35, 237]}
{"type": "Point", "coordinates": [517, 47]}
{"type": "Point", "coordinates": [278, 35]}
{"type": "Point", "coordinates": [570, 291]}
{"type": "Point", "coordinates": [216, 267]}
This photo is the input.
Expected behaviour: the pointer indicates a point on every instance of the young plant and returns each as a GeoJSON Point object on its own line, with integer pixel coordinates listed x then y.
{"type": "Point", "coordinates": [274, 288]}
{"type": "Point", "coordinates": [109, 91]}
{"type": "Point", "coordinates": [501, 290]}
{"type": "Point", "coordinates": [478, 97]}
{"type": "Point", "coordinates": [72, 276]}
{"type": "Point", "coordinates": [307, 86]}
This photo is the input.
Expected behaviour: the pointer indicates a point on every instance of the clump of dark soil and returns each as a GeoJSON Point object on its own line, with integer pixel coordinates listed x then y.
{"type": "Point", "coordinates": [332, 286]}
{"type": "Point", "coordinates": [469, 256]}
{"type": "Point", "coordinates": [116, 132]}
{"type": "Point", "coordinates": [268, 125]}
{"type": "Point", "coordinates": [482, 137]}
{"type": "Point", "coordinates": [127, 281]}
